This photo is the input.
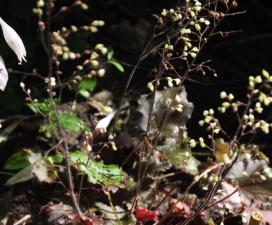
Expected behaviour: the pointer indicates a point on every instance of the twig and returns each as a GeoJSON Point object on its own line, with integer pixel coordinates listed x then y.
{"type": "Point", "coordinates": [63, 146]}
{"type": "Point", "coordinates": [23, 220]}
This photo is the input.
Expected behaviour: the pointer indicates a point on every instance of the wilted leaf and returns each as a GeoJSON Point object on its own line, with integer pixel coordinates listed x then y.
{"type": "Point", "coordinates": [221, 149]}
{"type": "Point", "coordinates": [59, 213]}
{"type": "Point", "coordinates": [241, 167]}
{"type": "Point", "coordinates": [22, 176]}
{"type": "Point", "coordinates": [111, 214]}
{"type": "Point", "coordinates": [247, 173]}
{"type": "Point", "coordinates": [97, 172]}
{"type": "Point", "coordinates": [175, 120]}
{"type": "Point", "coordinates": [255, 188]}
{"type": "Point", "coordinates": [38, 167]}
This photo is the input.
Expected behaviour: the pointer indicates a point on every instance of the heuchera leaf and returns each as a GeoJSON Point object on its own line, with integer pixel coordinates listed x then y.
{"type": "Point", "coordinates": [97, 172]}
{"type": "Point", "coordinates": [39, 106]}
{"type": "Point", "coordinates": [70, 122]}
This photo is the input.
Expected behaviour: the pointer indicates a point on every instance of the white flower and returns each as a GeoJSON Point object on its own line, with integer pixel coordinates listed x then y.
{"type": "Point", "coordinates": [13, 40]}
{"type": "Point", "coordinates": [3, 75]}
{"type": "Point", "coordinates": [105, 122]}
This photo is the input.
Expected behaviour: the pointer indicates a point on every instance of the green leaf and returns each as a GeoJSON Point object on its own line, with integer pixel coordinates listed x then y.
{"type": "Point", "coordinates": [117, 213]}
{"type": "Point", "coordinates": [37, 107]}
{"type": "Point", "coordinates": [17, 161]}
{"type": "Point", "coordinates": [97, 172]}
{"type": "Point", "coordinates": [84, 93]}
{"type": "Point", "coordinates": [70, 122]}
{"type": "Point", "coordinates": [110, 54]}
{"type": "Point", "coordinates": [85, 87]}
{"type": "Point", "coordinates": [180, 155]}
{"type": "Point", "coordinates": [22, 176]}
{"type": "Point", "coordinates": [57, 159]}
{"type": "Point", "coordinates": [117, 65]}
{"type": "Point", "coordinates": [38, 167]}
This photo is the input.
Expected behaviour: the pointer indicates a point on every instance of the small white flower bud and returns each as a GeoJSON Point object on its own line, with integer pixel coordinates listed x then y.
{"type": "Point", "coordinates": [22, 85]}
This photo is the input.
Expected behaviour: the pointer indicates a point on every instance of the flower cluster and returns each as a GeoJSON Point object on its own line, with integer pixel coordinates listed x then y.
{"type": "Point", "coordinates": [259, 97]}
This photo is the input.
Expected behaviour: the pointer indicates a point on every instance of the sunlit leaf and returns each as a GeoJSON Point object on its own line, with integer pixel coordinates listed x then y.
{"type": "Point", "coordinates": [97, 172]}
{"type": "Point", "coordinates": [43, 106]}
{"type": "Point", "coordinates": [86, 86]}
{"type": "Point", "coordinates": [110, 54]}
{"type": "Point", "coordinates": [117, 65]}
{"type": "Point", "coordinates": [180, 155]}
{"type": "Point", "coordinates": [57, 158]}
{"type": "Point", "coordinates": [221, 150]}
{"type": "Point", "coordinates": [110, 213]}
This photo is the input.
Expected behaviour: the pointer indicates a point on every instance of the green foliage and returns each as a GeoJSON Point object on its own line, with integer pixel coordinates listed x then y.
{"type": "Point", "coordinates": [17, 161]}
{"type": "Point", "coordinates": [56, 159]}
{"type": "Point", "coordinates": [32, 165]}
{"type": "Point", "coordinates": [43, 106]}
{"type": "Point", "coordinates": [117, 65]}
{"type": "Point", "coordinates": [70, 122]}
{"type": "Point", "coordinates": [86, 87]}
{"type": "Point", "coordinates": [97, 172]}
{"type": "Point", "coordinates": [114, 62]}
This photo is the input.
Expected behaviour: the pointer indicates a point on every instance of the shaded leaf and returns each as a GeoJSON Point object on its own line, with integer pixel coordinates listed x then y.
{"type": "Point", "coordinates": [256, 188]}
{"type": "Point", "coordinates": [175, 120]}
{"type": "Point", "coordinates": [38, 167]}
{"type": "Point", "coordinates": [70, 122]}
{"type": "Point", "coordinates": [22, 176]}
{"type": "Point", "coordinates": [17, 161]}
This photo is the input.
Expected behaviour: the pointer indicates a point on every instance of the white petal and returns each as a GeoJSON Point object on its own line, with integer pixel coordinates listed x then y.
{"type": "Point", "coordinates": [3, 75]}
{"type": "Point", "coordinates": [105, 122]}
{"type": "Point", "coordinates": [13, 40]}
